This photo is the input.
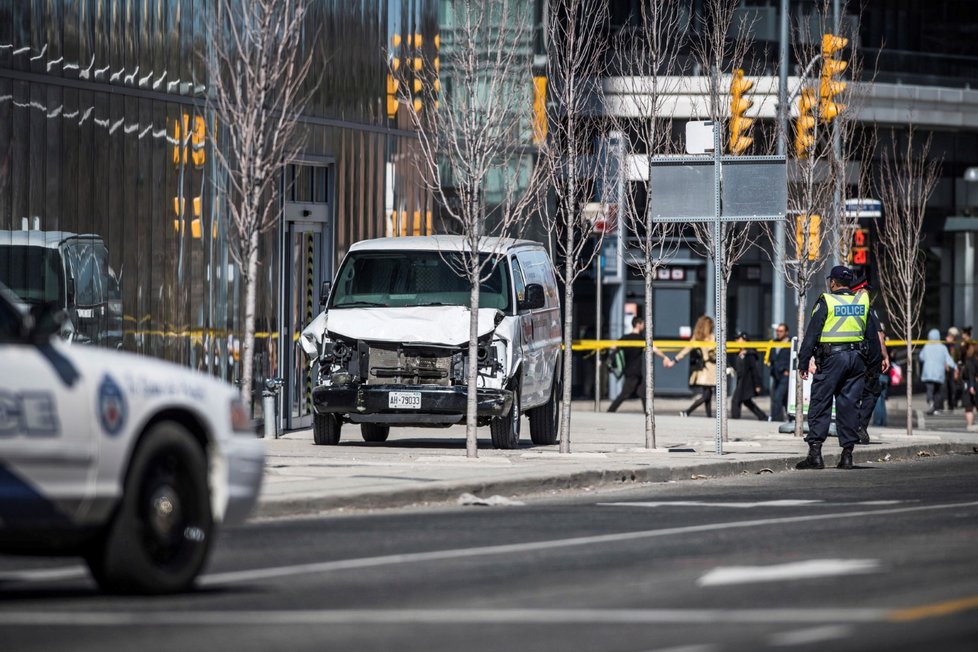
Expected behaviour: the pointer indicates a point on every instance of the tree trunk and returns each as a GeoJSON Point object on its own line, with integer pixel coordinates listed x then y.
{"type": "Point", "coordinates": [565, 400]}
{"type": "Point", "coordinates": [908, 376]}
{"type": "Point", "coordinates": [649, 363]}
{"type": "Point", "coordinates": [472, 394]}
{"type": "Point", "coordinates": [799, 383]}
{"type": "Point", "coordinates": [248, 345]}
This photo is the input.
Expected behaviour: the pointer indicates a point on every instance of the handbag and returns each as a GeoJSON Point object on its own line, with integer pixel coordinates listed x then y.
{"type": "Point", "coordinates": [896, 374]}
{"type": "Point", "coordinates": [696, 361]}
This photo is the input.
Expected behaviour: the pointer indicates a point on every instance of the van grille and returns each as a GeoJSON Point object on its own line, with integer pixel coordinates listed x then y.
{"type": "Point", "coordinates": [408, 368]}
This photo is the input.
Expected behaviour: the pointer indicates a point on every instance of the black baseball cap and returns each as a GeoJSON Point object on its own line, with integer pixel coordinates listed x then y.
{"type": "Point", "coordinates": [842, 274]}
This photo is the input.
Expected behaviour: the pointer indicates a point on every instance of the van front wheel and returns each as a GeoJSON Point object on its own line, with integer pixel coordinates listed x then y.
{"type": "Point", "coordinates": [505, 430]}
{"type": "Point", "coordinates": [326, 429]}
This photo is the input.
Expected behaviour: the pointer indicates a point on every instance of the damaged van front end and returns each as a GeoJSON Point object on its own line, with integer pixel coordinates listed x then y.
{"type": "Point", "coordinates": [408, 366]}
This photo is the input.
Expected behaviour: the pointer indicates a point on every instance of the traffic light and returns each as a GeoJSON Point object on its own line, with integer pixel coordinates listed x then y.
{"type": "Point", "coordinates": [739, 124]}
{"type": "Point", "coordinates": [808, 240]}
{"type": "Point", "coordinates": [539, 110]}
{"type": "Point", "coordinates": [391, 96]}
{"type": "Point", "coordinates": [198, 140]}
{"type": "Point", "coordinates": [859, 254]}
{"type": "Point", "coordinates": [829, 86]}
{"type": "Point", "coordinates": [805, 123]}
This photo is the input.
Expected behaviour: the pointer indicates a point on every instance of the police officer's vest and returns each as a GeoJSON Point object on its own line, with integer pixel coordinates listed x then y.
{"type": "Point", "coordinates": [846, 319]}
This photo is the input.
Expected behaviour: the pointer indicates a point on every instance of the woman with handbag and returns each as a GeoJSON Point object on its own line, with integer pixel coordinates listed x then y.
{"type": "Point", "coordinates": [702, 366]}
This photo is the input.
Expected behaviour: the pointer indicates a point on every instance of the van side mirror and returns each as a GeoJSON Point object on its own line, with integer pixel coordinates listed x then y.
{"type": "Point", "coordinates": [533, 298]}
{"type": "Point", "coordinates": [324, 293]}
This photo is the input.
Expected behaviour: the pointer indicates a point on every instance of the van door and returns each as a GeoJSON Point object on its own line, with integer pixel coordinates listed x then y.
{"type": "Point", "coordinates": [543, 344]}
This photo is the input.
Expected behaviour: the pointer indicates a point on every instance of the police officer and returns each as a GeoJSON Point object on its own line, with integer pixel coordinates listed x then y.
{"type": "Point", "coordinates": [872, 388]}
{"type": "Point", "coordinates": [836, 337]}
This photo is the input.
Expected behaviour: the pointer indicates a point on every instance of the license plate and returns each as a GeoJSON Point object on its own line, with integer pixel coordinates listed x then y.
{"type": "Point", "coordinates": [404, 400]}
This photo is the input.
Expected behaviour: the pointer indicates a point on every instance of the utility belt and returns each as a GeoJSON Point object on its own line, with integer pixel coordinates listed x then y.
{"type": "Point", "coordinates": [825, 350]}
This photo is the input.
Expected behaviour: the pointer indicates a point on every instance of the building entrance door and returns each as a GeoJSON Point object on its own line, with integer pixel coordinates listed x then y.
{"type": "Point", "coordinates": [307, 261]}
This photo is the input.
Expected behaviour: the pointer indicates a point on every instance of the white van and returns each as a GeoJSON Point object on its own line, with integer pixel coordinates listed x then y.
{"type": "Point", "coordinates": [393, 340]}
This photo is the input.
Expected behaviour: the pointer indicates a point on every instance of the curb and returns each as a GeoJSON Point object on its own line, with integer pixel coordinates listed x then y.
{"type": "Point", "coordinates": [449, 491]}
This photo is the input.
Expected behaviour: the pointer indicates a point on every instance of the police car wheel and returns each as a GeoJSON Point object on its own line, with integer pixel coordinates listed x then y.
{"type": "Point", "coordinates": [160, 535]}
{"type": "Point", "coordinates": [326, 429]}
{"type": "Point", "coordinates": [374, 432]}
{"type": "Point", "coordinates": [505, 430]}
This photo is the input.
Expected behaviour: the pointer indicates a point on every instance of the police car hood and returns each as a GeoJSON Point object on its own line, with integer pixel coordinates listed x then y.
{"type": "Point", "coordinates": [438, 325]}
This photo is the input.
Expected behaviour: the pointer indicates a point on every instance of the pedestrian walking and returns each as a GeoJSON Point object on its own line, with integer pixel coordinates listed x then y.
{"type": "Point", "coordinates": [780, 359]}
{"type": "Point", "coordinates": [952, 380]}
{"type": "Point", "coordinates": [836, 338]}
{"type": "Point", "coordinates": [969, 377]}
{"type": "Point", "coordinates": [634, 371]}
{"type": "Point", "coordinates": [702, 366]}
{"type": "Point", "coordinates": [935, 363]}
{"type": "Point", "coordinates": [876, 367]}
{"type": "Point", "coordinates": [747, 370]}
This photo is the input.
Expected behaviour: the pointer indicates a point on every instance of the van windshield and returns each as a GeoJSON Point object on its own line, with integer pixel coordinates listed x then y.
{"type": "Point", "coordinates": [399, 279]}
{"type": "Point", "coordinates": [32, 273]}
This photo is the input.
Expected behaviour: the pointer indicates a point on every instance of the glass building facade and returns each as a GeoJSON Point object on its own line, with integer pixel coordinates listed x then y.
{"type": "Point", "coordinates": [97, 98]}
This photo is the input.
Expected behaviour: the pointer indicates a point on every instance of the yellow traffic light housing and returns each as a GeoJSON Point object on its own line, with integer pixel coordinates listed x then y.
{"type": "Point", "coordinates": [805, 123]}
{"type": "Point", "coordinates": [829, 86]}
{"type": "Point", "coordinates": [391, 96]}
{"type": "Point", "coordinates": [808, 229]}
{"type": "Point", "coordinates": [739, 123]}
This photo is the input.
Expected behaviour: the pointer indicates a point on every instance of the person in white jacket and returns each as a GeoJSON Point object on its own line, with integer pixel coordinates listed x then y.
{"type": "Point", "coordinates": [935, 363]}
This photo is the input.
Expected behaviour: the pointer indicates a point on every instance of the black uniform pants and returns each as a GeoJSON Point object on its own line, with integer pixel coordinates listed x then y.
{"type": "Point", "coordinates": [633, 385]}
{"type": "Point", "coordinates": [871, 393]}
{"type": "Point", "coordinates": [839, 376]}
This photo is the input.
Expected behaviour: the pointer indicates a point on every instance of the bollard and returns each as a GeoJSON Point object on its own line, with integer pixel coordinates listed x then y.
{"type": "Point", "coordinates": [269, 406]}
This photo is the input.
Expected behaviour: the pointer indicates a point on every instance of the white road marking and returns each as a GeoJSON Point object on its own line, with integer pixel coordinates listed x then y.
{"type": "Point", "coordinates": [813, 635]}
{"type": "Point", "coordinates": [811, 568]}
{"type": "Point", "coordinates": [687, 648]}
{"type": "Point", "coordinates": [742, 505]}
{"type": "Point", "coordinates": [703, 503]}
{"type": "Point", "coordinates": [551, 545]}
{"type": "Point", "coordinates": [142, 618]}
{"type": "Point", "coordinates": [44, 574]}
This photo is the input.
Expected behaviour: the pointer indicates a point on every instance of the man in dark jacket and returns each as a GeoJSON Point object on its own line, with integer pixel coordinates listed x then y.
{"type": "Point", "coordinates": [836, 338]}
{"type": "Point", "coordinates": [780, 374]}
{"type": "Point", "coordinates": [634, 372]}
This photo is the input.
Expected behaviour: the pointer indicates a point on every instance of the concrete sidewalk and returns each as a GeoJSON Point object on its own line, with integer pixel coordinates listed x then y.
{"type": "Point", "coordinates": [418, 465]}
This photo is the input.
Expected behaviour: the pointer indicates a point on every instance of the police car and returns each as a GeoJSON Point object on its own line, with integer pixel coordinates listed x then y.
{"type": "Point", "coordinates": [127, 461]}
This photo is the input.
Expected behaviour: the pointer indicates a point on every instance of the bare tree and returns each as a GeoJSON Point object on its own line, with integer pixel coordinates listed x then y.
{"type": "Point", "coordinates": [473, 154]}
{"type": "Point", "coordinates": [649, 69]}
{"type": "Point", "coordinates": [723, 43]}
{"type": "Point", "coordinates": [907, 178]}
{"type": "Point", "coordinates": [575, 65]}
{"type": "Point", "coordinates": [820, 173]}
{"type": "Point", "coordinates": [258, 91]}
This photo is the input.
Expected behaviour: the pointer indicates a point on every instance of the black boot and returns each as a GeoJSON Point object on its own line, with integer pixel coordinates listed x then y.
{"type": "Point", "coordinates": [863, 436]}
{"type": "Point", "coordinates": [814, 459]}
{"type": "Point", "coordinates": [845, 462]}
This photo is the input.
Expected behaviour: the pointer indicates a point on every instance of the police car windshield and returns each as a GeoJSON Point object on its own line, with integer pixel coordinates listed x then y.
{"type": "Point", "coordinates": [34, 274]}
{"type": "Point", "coordinates": [400, 279]}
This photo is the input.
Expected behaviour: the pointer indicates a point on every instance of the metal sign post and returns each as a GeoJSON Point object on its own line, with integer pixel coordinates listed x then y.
{"type": "Point", "coordinates": [743, 189]}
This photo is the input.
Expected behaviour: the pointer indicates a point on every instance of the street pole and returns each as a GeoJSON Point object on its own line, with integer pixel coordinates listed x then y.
{"type": "Point", "coordinates": [718, 271]}
{"type": "Point", "coordinates": [597, 333]}
{"type": "Point", "coordinates": [837, 163]}
{"type": "Point", "coordinates": [777, 279]}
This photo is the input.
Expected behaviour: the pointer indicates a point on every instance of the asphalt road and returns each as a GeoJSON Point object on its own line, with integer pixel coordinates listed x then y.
{"type": "Point", "coordinates": [881, 558]}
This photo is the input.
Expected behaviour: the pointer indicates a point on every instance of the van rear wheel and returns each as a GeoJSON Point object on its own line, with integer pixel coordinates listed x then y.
{"type": "Point", "coordinates": [505, 430]}
{"type": "Point", "coordinates": [544, 419]}
{"type": "Point", "coordinates": [374, 432]}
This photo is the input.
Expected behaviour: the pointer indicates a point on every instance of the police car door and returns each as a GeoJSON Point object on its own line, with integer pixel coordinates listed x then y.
{"type": "Point", "coordinates": [46, 449]}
